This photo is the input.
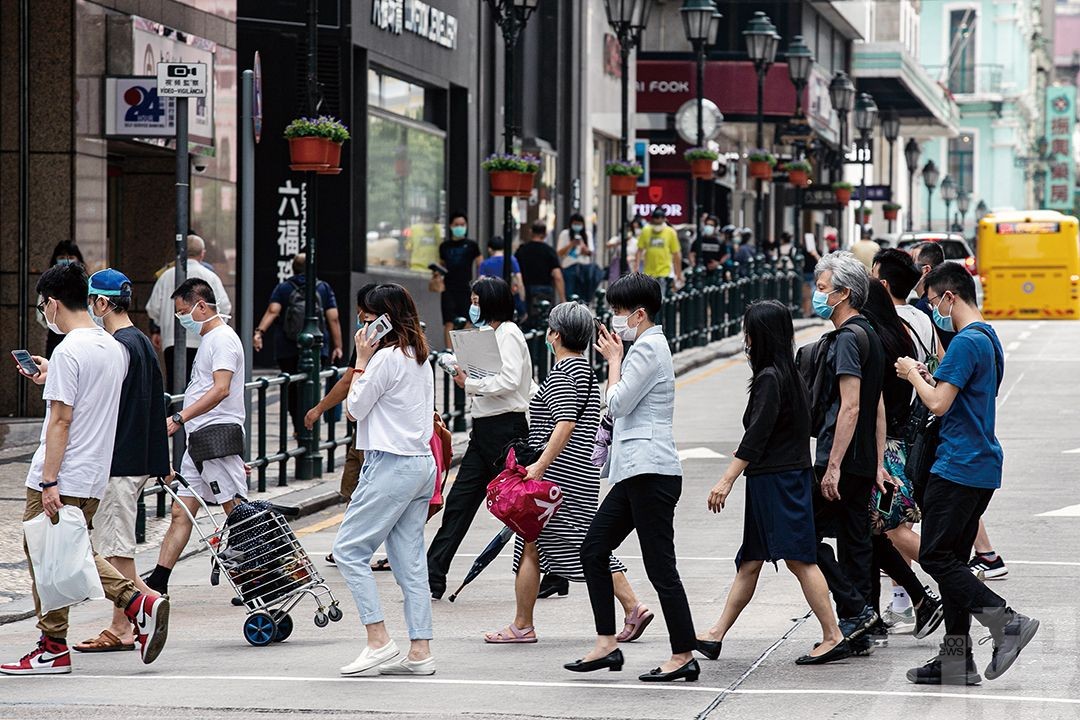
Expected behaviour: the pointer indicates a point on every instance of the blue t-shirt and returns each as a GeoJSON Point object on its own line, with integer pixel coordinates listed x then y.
{"type": "Point", "coordinates": [969, 453]}
{"type": "Point", "coordinates": [283, 347]}
{"type": "Point", "coordinates": [493, 267]}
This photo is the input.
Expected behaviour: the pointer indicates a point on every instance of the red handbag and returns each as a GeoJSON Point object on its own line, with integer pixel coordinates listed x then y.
{"type": "Point", "coordinates": [525, 506]}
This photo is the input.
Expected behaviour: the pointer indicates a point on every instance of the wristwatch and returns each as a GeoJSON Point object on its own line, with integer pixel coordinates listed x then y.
{"type": "Point", "coordinates": [178, 418]}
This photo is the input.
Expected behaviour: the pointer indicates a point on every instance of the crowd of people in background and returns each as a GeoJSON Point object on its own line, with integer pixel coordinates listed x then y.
{"type": "Point", "coordinates": [906, 333]}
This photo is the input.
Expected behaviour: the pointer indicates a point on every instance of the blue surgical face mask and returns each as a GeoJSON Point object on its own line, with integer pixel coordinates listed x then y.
{"type": "Point", "coordinates": [821, 304]}
{"type": "Point", "coordinates": [459, 231]}
{"type": "Point", "coordinates": [708, 230]}
{"type": "Point", "coordinates": [64, 261]}
{"type": "Point", "coordinates": [550, 347]}
{"type": "Point", "coordinates": [577, 227]}
{"type": "Point", "coordinates": [360, 322]}
{"type": "Point", "coordinates": [474, 316]}
{"type": "Point", "coordinates": [191, 324]}
{"type": "Point", "coordinates": [944, 322]}
{"type": "Point", "coordinates": [99, 321]}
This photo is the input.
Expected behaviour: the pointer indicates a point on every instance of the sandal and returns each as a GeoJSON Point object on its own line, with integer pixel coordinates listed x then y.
{"type": "Point", "coordinates": [635, 624]}
{"type": "Point", "coordinates": [380, 565]}
{"type": "Point", "coordinates": [511, 634]}
{"type": "Point", "coordinates": [105, 642]}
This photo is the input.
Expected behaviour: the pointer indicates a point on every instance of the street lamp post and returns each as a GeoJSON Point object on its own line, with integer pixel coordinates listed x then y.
{"type": "Point", "coordinates": [963, 202]}
{"type": "Point", "coordinates": [627, 19]}
{"type": "Point", "coordinates": [761, 43]}
{"type": "Point", "coordinates": [700, 22]}
{"type": "Point", "coordinates": [866, 112]}
{"type": "Point", "coordinates": [911, 157]}
{"type": "Point", "coordinates": [842, 95]}
{"type": "Point", "coordinates": [1039, 186]}
{"type": "Point", "coordinates": [981, 210]}
{"type": "Point", "coordinates": [930, 177]}
{"type": "Point", "coordinates": [800, 62]}
{"type": "Point", "coordinates": [511, 16]}
{"type": "Point", "coordinates": [948, 194]}
{"type": "Point", "coordinates": [890, 130]}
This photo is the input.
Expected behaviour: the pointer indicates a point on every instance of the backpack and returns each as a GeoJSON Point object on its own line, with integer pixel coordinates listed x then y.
{"type": "Point", "coordinates": [811, 362]}
{"type": "Point", "coordinates": [294, 316]}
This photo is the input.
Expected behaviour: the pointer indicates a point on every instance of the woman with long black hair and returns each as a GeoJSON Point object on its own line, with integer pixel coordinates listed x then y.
{"type": "Point", "coordinates": [775, 457]}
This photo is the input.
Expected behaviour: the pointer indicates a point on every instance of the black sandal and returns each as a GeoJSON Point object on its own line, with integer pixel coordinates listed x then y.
{"type": "Point", "coordinates": [381, 565]}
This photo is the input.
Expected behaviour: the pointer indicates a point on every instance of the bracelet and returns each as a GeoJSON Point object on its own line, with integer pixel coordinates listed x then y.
{"type": "Point", "coordinates": [46, 486]}
{"type": "Point", "coordinates": [913, 367]}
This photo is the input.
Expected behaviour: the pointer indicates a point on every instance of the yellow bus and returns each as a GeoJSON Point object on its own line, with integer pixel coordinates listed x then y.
{"type": "Point", "coordinates": [1029, 265]}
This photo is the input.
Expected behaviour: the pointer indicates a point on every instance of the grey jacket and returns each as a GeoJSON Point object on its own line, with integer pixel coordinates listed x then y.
{"type": "Point", "coordinates": [643, 405]}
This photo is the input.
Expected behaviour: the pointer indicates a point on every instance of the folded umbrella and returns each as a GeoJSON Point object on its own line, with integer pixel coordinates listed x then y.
{"type": "Point", "coordinates": [485, 557]}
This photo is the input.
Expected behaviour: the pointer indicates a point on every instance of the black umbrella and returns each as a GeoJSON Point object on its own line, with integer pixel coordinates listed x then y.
{"type": "Point", "coordinates": [485, 557]}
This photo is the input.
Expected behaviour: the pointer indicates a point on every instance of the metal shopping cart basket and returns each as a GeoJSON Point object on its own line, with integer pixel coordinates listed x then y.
{"type": "Point", "coordinates": [259, 554]}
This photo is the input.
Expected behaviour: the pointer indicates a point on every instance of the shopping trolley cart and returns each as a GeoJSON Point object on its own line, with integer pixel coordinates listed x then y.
{"type": "Point", "coordinates": [264, 562]}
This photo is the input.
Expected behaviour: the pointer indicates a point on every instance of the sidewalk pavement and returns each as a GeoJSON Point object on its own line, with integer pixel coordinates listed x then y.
{"type": "Point", "coordinates": [19, 440]}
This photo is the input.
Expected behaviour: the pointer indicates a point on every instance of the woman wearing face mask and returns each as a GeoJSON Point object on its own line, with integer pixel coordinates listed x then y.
{"type": "Point", "coordinates": [65, 253]}
{"type": "Point", "coordinates": [575, 248]}
{"type": "Point", "coordinates": [499, 403]}
{"type": "Point", "coordinates": [646, 475]}
{"type": "Point", "coordinates": [564, 415]}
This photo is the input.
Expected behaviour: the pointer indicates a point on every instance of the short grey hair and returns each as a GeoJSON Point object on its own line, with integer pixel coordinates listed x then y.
{"type": "Point", "coordinates": [848, 273]}
{"type": "Point", "coordinates": [196, 246]}
{"type": "Point", "coordinates": [574, 323]}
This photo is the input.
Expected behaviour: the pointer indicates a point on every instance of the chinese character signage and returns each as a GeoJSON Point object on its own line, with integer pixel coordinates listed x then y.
{"type": "Point", "coordinates": [181, 79]}
{"type": "Point", "coordinates": [1060, 120]}
{"type": "Point", "coordinates": [418, 18]}
{"type": "Point", "coordinates": [291, 225]}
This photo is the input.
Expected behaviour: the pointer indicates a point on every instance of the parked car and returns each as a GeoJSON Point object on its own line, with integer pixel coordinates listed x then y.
{"type": "Point", "coordinates": [955, 248]}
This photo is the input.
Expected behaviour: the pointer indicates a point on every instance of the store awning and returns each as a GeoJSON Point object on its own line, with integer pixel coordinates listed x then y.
{"type": "Point", "coordinates": [897, 80]}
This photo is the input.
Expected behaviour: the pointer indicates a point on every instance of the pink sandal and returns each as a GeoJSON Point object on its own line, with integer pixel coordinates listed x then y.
{"type": "Point", "coordinates": [635, 623]}
{"type": "Point", "coordinates": [516, 635]}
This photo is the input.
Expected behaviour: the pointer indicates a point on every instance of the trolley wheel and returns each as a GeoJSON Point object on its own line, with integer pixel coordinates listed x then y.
{"type": "Point", "coordinates": [284, 624]}
{"type": "Point", "coordinates": [321, 620]}
{"type": "Point", "coordinates": [260, 628]}
{"type": "Point", "coordinates": [334, 613]}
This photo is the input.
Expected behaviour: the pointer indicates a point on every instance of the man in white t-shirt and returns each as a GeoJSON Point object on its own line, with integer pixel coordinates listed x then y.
{"type": "Point", "coordinates": [215, 396]}
{"type": "Point", "coordinates": [82, 382]}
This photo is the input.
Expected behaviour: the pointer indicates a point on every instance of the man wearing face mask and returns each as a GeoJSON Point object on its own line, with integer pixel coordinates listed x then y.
{"type": "Point", "coordinates": [659, 252]}
{"type": "Point", "coordinates": [214, 397]}
{"type": "Point", "coordinates": [461, 257]}
{"type": "Point", "coordinates": [707, 250]}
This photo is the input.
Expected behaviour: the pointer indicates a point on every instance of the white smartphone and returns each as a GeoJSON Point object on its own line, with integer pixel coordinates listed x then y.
{"type": "Point", "coordinates": [379, 327]}
{"type": "Point", "coordinates": [25, 362]}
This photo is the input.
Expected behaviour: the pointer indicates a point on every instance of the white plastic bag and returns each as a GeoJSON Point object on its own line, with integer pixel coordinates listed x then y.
{"type": "Point", "coordinates": [64, 568]}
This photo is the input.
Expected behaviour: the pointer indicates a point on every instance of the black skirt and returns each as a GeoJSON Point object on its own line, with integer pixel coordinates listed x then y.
{"type": "Point", "coordinates": [779, 520]}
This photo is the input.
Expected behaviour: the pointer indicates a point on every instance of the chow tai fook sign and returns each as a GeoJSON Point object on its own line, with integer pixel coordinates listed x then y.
{"type": "Point", "coordinates": [669, 194]}
{"type": "Point", "coordinates": [417, 18]}
{"type": "Point", "coordinates": [1060, 121]}
{"type": "Point", "coordinates": [291, 225]}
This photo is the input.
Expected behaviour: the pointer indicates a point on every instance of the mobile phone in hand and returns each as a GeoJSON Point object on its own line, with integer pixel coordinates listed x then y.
{"type": "Point", "coordinates": [26, 363]}
{"type": "Point", "coordinates": [885, 499]}
{"type": "Point", "coordinates": [379, 327]}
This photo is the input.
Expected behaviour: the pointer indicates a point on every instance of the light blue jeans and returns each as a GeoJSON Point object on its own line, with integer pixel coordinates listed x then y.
{"type": "Point", "coordinates": [390, 504]}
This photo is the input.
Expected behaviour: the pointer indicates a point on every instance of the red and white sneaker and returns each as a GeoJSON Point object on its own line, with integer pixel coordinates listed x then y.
{"type": "Point", "coordinates": [50, 658]}
{"type": "Point", "coordinates": [150, 616]}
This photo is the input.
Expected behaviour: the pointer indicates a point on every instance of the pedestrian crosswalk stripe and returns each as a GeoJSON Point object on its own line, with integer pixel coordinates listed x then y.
{"type": "Point", "coordinates": [700, 453]}
{"type": "Point", "coordinates": [1067, 511]}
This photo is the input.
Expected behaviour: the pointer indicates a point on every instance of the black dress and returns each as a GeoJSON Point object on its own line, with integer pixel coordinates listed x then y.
{"type": "Point", "coordinates": [779, 518]}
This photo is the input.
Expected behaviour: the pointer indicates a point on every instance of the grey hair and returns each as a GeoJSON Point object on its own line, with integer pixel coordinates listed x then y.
{"type": "Point", "coordinates": [848, 273]}
{"type": "Point", "coordinates": [196, 246]}
{"type": "Point", "coordinates": [574, 323]}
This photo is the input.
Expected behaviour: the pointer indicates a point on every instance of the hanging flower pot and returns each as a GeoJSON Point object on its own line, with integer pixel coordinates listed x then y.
{"type": "Point", "coordinates": [701, 162]}
{"type": "Point", "coordinates": [623, 176]}
{"type": "Point", "coordinates": [505, 183]}
{"type": "Point", "coordinates": [527, 178]}
{"type": "Point", "coordinates": [315, 144]}
{"type": "Point", "coordinates": [798, 172]}
{"type": "Point", "coordinates": [843, 192]}
{"type": "Point", "coordinates": [761, 164]}
{"type": "Point", "coordinates": [890, 211]}
{"type": "Point", "coordinates": [308, 151]}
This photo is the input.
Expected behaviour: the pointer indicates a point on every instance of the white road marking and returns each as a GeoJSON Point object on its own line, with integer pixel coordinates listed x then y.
{"type": "Point", "coordinates": [1067, 511]}
{"type": "Point", "coordinates": [1024, 335]}
{"type": "Point", "coordinates": [700, 453]}
{"type": "Point", "coordinates": [648, 687]}
{"type": "Point", "coordinates": [1001, 403]}
{"type": "Point", "coordinates": [1012, 346]}
{"type": "Point", "coordinates": [1072, 452]}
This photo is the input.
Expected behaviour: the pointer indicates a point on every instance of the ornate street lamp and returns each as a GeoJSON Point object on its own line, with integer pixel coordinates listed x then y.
{"type": "Point", "coordinates": [963, 202]}
{"type": "Point", "coordinates": [866, 112]}
{"type": "Point", "coordinates": [842, 95]}
{"type": "Point", "coordinates": [800, 61]}
{"type": "Point", "coordinates": [981, 210]}
{"type": "Point", "coordinates": [948, 194]}
{"type": "Point", "coordinates": [930, 175]}
{"type": "Point", "coordinates": [627, 19]}
{"type": "Point", "coordinates": [890, 130]}
{"type": "Point", "coordinates": [911, 157]}
{"type": "Point", "coordinates": [762, 40]}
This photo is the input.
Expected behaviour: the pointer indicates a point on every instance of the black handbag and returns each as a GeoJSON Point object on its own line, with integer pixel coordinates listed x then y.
{"type": "Point", "coordinates": [923, 435]}
{"type": "Point", "coordinates": [215, 441]}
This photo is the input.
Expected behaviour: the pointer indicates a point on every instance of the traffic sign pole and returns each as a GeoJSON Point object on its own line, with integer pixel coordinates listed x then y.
{"type": "Point", "coordinates": [183, 178]}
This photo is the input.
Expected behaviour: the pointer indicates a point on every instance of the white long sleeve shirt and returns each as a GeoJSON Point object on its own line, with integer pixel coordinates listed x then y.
{"type": "Point", "coordinates": [160, 307]}
{"type": "Point", "coordinates": [392, 402]}
{"type": "Point", "coordinates": [508, 391]}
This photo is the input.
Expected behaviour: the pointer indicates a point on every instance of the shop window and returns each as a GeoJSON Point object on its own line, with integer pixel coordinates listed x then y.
{"type": "Point", "coordinates": [962, 51]}
{"type": "Point", "coordinates": [962, 160]}
{"type": "Point", "coordinates": [395, 95]}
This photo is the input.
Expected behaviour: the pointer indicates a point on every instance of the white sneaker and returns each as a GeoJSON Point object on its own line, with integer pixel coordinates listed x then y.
{"type": "Point", "coordinates": [900, 622]}
{"type": "Point", "coordinates": [369, 659]}
{"type": "Point", "coordinates": [405, 666]}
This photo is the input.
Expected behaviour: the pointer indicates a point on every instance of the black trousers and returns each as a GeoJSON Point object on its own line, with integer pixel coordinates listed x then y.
{"type": "Point", "coordinates": [479, 466]}
{"type": "Point", "coordinates": [950, 523]}
{"type": "Point", "coordinates": [169, 354]}
{"type": "Point", "coordinates": [645, 503]}
{"type": "Point", "coordinates": [848, 520]}
{"type": "Point", "coordinates": [889, 559]}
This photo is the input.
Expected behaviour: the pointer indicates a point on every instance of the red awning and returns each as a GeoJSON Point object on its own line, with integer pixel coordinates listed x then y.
{"type": "Point", "coordinates": [664, 85]}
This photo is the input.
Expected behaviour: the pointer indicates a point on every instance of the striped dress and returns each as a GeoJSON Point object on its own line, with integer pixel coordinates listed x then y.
{"type": "Point", "coordinates": [560, 399]}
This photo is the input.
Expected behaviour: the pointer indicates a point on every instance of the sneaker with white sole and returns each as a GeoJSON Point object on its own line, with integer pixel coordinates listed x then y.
{"type": "Point", "coordinates": [405, 666]}
{"type": "Point", "coordinates": [370, 659]}
{"type": "Point", "coordinates": [150, 616]}
{"type": "Point", "coordinates": [899, 622]}
{"type": "Point", "coordinates": [991, 569]}
{"type": "Point", "coordinates": [330, 560]}
{"type": "Point", "coordinates": [51, 657]}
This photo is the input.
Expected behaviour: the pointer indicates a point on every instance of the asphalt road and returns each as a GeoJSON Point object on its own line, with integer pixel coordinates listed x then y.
{"type": "Point", "coordinates": [209, 671]}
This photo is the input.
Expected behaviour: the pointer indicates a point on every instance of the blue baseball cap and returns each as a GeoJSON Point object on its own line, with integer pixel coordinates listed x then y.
{"type": "Point", "coordinates": [110, 283]}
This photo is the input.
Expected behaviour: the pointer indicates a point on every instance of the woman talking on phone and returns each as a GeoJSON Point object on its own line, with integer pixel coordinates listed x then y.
{"type": "Point", "coordinates": [390, 400]}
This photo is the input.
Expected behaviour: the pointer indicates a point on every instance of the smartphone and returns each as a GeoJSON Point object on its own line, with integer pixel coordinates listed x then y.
{"type": "Point", "coordinates": [379, 327]}
{"type": "Point", "coordinates": [885, 499]}
{"type": "Point", "coordinates": [436, 268]}
{"type": "Point", "coordinates": [22, 357]}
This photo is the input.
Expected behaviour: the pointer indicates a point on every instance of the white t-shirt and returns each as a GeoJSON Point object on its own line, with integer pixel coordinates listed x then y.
{"type": "Point", "coordinates": [924, 329]}
{"type": "Point", "coordinates": [86, 371]}
{"type": "Point", "coordinates": [221, 349]}
{"type": "Point", "coordinates": [392, 402]}
{"type": "Point", "coordinates": [160, 307]}
{"type": "Point", "coordinates": [575, 257]}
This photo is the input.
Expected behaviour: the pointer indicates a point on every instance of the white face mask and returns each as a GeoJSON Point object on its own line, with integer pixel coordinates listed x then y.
{"type": "Point", "coordinates": [98, 320]}
{"type": "Point", "coordinates": [53, 327]}
{"type": "Point", "coordinates": [620, 325]}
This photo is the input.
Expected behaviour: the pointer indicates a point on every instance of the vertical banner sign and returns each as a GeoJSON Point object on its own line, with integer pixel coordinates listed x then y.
{"type": "Point", "coordinates": [291, 225]}
{"type": "Point", "coordinates": [1060, 121]}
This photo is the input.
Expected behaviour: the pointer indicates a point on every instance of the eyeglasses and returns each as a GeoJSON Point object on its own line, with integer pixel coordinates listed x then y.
{"type": "Point", "coordinates": [933, 300]}
{"type": "Point", "coordinates": [41, 307]}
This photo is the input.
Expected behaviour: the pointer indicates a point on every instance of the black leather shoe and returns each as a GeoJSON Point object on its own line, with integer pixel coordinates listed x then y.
{"type": "Point", "coordinates": [688, 672]}
{"type": "Point", "coordinates": [710, 648]}
{"type": "Point", "coordinates": [841, 651]}
{"type": "Point", "coordinates": [552, 585]}
{"type": "Point", "coordinates": [438, 588]}
{"type": "Point", "coordinates": [613, 661]}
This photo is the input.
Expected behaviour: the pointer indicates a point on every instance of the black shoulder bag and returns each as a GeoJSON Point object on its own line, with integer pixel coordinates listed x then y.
{"type": "Point", "coordinates": [525, 453]}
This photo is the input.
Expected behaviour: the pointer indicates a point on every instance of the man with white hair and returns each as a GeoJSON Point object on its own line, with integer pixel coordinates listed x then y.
{"type": "Point", "coordinates": [159, 307]}
{"type": "Point", "coordinates": [851, 442]}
